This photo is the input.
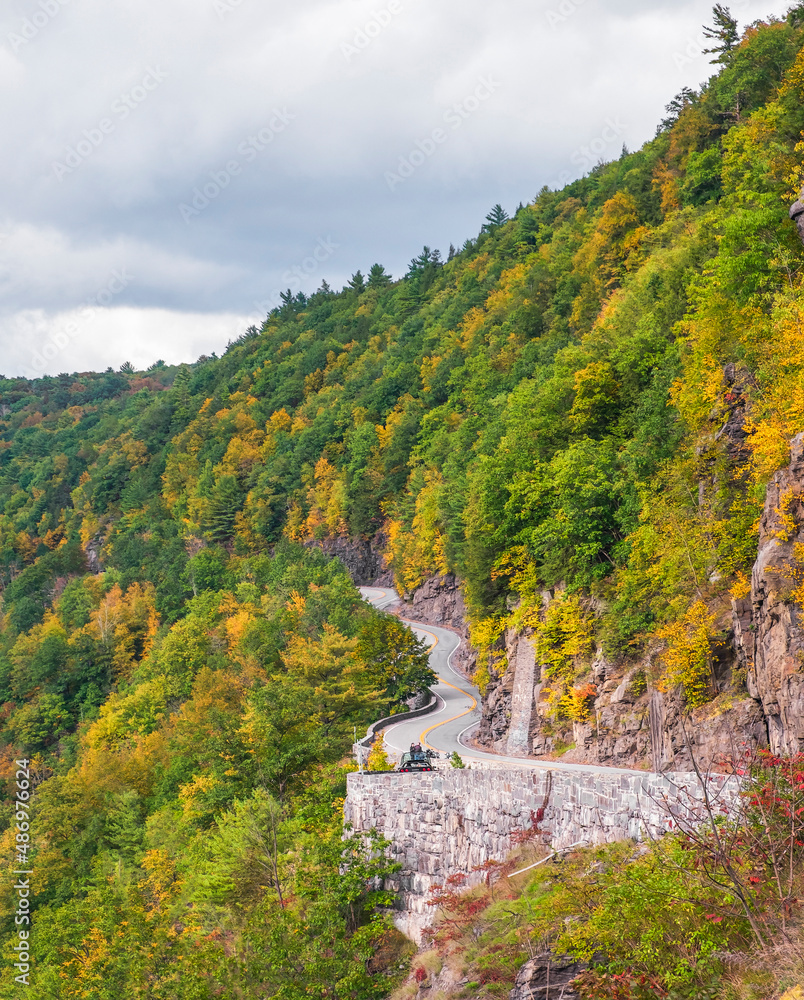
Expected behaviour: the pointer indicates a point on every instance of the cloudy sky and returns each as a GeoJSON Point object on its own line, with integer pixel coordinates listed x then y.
{"type": "Point", "coordinates": [169, 165]}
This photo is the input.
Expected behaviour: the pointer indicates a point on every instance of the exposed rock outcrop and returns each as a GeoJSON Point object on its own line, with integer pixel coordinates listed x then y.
{"type": "Point", "coordinates": [797, 215]}
{"type": "Point", "coordinates": [495, 711]}
{"type": "Point", "coordinates": [713, 731]}
{"type": "Point", "coordinates": [92, 552]}
{"type": "Point", "coordinates": [363, 559]}
{"type": "Point", "coordinates": [439, 601]}
{"type": "Point", "coordinates": [732, 415]}
{"type": "Point", "coordinates": [771, 633]}
{"type": "Point", "coordinates": [632, 725]}
{"type": "Point", "coordinates": [647, 730]}
{"type": "Point", "coordinates": [509, 722]}
{"type": "Point", "coordinates": [547, 975]}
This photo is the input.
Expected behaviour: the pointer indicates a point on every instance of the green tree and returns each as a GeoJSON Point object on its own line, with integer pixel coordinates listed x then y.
{"type": "Point", "coordinates": [224, 503]}
{"type": "Point", "coordinates": [396, 659]}
{"type": "Point", "coordinates": [724, 32]}
{"type": "Point", "coordinates": [357, 283]}
{"type": "Point", "coordinates": [497, 217]}
{"type": "Point", "coordinates": [378, 277]}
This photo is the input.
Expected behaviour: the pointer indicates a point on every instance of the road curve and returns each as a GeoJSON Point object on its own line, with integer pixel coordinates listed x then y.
{"type": "Point", "coordinates": [442, 730]}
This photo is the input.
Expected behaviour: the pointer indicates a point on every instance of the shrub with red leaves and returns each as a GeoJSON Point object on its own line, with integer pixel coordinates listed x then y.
{"type": "Point", "coordinates": [594, 984]}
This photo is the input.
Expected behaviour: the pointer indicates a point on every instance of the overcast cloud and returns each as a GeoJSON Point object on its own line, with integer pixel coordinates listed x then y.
{"type": "Point", "coordinates": [167, 165]}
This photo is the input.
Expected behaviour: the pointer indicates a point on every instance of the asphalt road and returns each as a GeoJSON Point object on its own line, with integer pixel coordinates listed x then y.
{"type": "Point", "coordinates": [442, 730]}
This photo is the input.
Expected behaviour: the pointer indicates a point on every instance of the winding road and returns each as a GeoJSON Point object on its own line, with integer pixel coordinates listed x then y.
{"type": "Point", "coordinates": [442, 730]}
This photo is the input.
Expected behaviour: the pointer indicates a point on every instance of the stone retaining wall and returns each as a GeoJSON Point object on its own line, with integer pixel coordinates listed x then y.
{"type": "Point", "coordinates": [450, 821]}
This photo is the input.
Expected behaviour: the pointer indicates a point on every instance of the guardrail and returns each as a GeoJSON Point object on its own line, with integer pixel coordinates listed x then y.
{"type": "Point", "coordinates": [391, 720]}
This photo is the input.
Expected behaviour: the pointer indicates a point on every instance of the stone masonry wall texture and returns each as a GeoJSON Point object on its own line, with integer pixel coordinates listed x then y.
{"type": "Point", "coordinates": [450, 821]}
{"type": "Point", "coordinates": [522, 697]}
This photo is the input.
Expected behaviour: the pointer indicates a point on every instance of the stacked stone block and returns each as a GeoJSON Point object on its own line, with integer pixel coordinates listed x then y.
{"type": "Point", "coordinates": [447, 822]}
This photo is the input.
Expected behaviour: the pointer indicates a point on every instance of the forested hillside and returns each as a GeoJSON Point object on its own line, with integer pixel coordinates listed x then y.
{"type": "Point", "coordinates": [587, 400]}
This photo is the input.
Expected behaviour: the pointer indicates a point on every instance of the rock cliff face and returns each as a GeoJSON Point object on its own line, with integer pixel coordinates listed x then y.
{"type": "Point", "coordinates": [631, 726]}
{"type": "Point", "coordinates": [710, 732]}
{"type": "Point", "coordinates": [797, 215]}
{"type": "Point", "coordinates": [439, 601]}
{"type": "Point", "coordinates": [363, 560]}
{"type": "Point", "coordinates": [769, 630]}
{"type": "Point", "coordinates": [509, 721]}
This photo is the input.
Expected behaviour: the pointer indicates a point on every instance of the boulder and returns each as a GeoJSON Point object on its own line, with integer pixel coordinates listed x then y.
{"type": "Point", "coordinates": [547, 976]}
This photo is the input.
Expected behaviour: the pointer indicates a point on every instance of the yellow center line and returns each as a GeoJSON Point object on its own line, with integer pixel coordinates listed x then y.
{"type": "Point", "coordinates": [423, 737]}
{"type": "Point", "coordinates": [433, 636]}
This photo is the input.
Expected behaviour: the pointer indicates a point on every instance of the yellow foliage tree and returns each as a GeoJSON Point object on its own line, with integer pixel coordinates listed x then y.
{"type": "Point", "coordinates": [688, 655]}
{"type": "Point", "coordinates": [563, 640]}
{"type": "Point", "coordinates": [378, 759]}
{"type": "Point", "coordinates": [326, 499]}
{"type": "Point", "coordinates": [420, 552]}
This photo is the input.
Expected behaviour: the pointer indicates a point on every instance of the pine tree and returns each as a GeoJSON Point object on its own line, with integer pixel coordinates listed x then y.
{"type": "Point", "coordinates": [181, 394]}
{"type": "Point", "coordinates": [225, 502]}
{"type": "Point", "coordinates": [496, 218]}
{"type": "Point", "coordinates": [378, 277]}
{"type": "Point", "coordinates": [683, 99]}
{"type": "Point", "coordinates": [725, 32]}
{"type": "Point", "coordinates": [420, 264]}
{"type": "Point", "coordinates": [357, 283]}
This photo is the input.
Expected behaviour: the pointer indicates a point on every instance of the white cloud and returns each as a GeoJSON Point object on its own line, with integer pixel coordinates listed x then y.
{"type": "Point", "coordinates": [58, 269]}
{"type": "Point", "coordinates": [566, 69]}
{"type": "Point", "coordinates": [49, 343]}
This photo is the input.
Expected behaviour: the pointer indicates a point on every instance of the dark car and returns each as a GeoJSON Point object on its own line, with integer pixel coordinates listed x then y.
{"type": "Point", "coordinates": [418, 760]}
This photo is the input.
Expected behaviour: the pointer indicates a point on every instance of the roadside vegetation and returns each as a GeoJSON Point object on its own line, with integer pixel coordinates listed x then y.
{"type": "Point", "coordinates": [705, 913]}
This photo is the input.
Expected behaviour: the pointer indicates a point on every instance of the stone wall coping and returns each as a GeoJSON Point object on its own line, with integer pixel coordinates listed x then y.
{"type": "Point", "coordinates": [670, 779]}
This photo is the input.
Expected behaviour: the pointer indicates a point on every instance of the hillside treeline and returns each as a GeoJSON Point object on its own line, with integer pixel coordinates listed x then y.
{"type": "Point", "coordinates": [587, 398]}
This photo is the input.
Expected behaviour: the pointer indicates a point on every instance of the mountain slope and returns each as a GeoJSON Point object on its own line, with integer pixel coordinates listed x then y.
{"type": "Point", "coordinates": [577, 415]}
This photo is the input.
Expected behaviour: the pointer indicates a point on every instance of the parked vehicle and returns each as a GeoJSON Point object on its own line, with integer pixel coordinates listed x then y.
{"type": "Point", "coordinates": [418, 760]}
